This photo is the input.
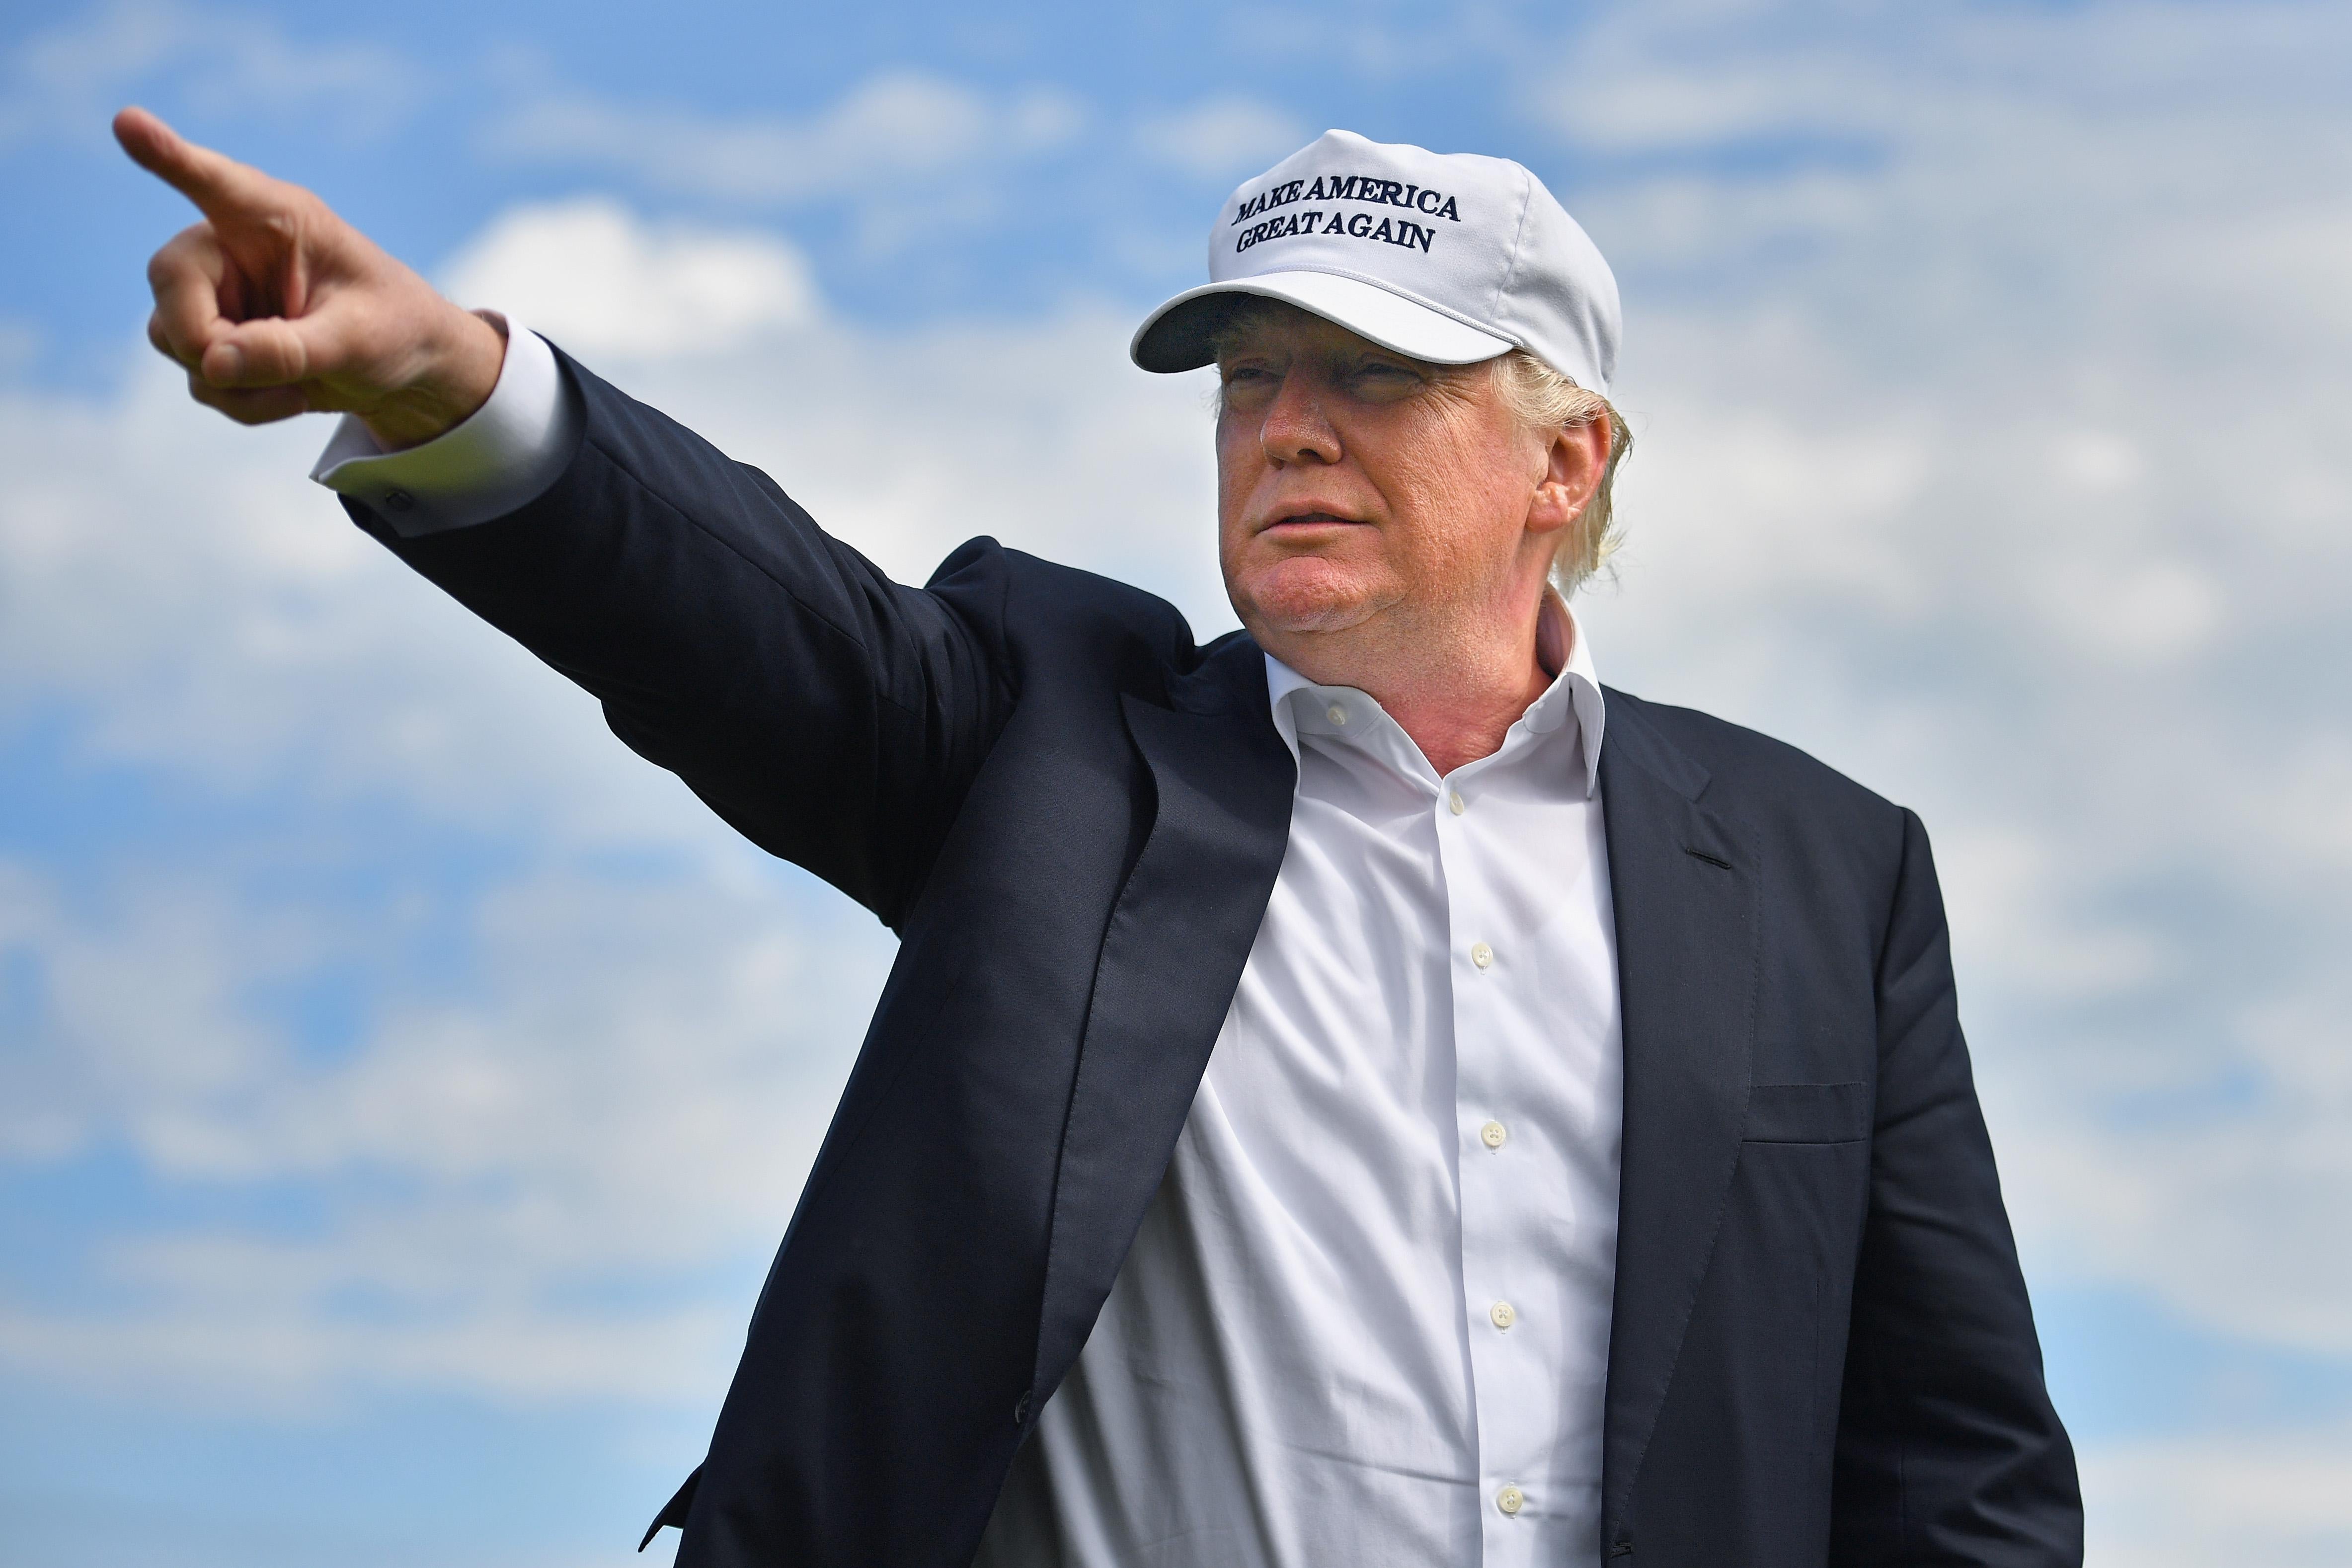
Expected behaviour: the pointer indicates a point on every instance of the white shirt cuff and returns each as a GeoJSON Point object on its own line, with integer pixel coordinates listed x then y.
{"type": "Point", "coordinates": [501, 456]}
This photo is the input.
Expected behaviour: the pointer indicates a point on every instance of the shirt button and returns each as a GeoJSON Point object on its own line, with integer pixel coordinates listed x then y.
{"type": "Point", "coordinates": [1454, 801]}
{"type": "Point", "coordinates": [1481, 955]}
{"type": "Point", "coordinates": [1492, 1135]}
{"type": "Point", "coordinates": [1503, 1315]}
{"type": "Point", "coordinates": [399, 500]}
{"type": "Point", "coordinates": [1510, 1500]}
{"type": "Point", "coordinates": [1337, 714]}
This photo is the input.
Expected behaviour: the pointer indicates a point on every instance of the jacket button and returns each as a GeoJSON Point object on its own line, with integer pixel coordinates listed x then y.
{"type": "Point", "coordinates": [1021, 1410]}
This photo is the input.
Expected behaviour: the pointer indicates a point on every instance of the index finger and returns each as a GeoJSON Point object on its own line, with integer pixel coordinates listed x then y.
{"type": "Point", "coordinates": [217, 183]}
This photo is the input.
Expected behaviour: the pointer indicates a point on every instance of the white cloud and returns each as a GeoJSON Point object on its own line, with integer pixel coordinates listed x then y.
{"type": "Point", "coordinates": [586, 273]}
{"type": "Point", "coordinates": [202, 605]}
{"type": "Point", "coordinates": [897, 129]}
{"type": "Point", "coordinates": [2283, 1500]}
{"type": "Point", "coordinates": [635, 1097]}
{"type": "Point", "coordinates": [1691, 74]}
{"type": "Point", "coordinates": [1229, 135]}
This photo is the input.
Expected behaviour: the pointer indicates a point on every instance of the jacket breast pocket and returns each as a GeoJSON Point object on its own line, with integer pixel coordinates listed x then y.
{"type": "Point", "coordinates": [1808, 1113]}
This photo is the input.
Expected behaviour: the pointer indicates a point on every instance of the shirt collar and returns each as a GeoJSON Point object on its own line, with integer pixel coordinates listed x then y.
{"type": "Point", "coordinates": [1574, 692]}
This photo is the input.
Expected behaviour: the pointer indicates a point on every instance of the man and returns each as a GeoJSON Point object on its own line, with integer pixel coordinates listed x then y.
{"type": "Point", "coordinates": [1355, 1093]}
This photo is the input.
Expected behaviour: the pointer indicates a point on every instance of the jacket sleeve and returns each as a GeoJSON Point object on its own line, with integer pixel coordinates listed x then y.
{"type": "Point", "coordinates": [832, 716]}
{"type": "Point", "coordinates": [1949, 1451]}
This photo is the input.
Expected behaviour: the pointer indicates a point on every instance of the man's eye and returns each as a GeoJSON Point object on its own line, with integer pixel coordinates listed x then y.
{"type": "Point", "coordinates": [1384, 378]}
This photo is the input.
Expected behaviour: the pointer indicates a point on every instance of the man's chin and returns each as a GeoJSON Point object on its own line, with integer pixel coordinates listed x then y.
{"type": "Point", "coordinates": [1300, 604]}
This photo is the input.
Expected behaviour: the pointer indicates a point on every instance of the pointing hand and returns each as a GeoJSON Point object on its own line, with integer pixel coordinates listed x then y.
{"type": "Point", "coordinates": [277, 307]}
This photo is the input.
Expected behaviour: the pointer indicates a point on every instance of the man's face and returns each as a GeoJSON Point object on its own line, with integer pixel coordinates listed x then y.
{"type": "Point", "coordinates": [1354, 483]}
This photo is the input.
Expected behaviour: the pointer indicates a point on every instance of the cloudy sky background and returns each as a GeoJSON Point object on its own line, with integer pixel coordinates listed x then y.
{"type": "Point", "coordinates": [401, 1087]}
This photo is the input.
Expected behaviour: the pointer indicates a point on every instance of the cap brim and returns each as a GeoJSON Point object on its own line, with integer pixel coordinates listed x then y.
{"type": "Point", "coordinates": [1176, 336]}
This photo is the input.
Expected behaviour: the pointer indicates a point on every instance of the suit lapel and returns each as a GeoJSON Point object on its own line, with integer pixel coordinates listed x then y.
{"type": "Point", "coordinates": [1685, 886]}
{"type": "Point", "coordinates": [1171, 957]}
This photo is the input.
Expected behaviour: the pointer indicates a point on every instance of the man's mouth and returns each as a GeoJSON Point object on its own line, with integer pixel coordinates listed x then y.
{"type": "Point", "coordinates": [1308, 519]}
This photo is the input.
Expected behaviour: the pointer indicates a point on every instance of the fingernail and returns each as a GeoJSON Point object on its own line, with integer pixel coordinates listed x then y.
{"type": "Point", "coordinates": [230, 362]}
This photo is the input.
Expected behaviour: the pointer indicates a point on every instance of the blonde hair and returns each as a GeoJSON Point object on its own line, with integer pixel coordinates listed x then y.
{"type": "Point", "coordinates": [1540, 398]}
{"type": "Point", "coordinates": [1543, 399]}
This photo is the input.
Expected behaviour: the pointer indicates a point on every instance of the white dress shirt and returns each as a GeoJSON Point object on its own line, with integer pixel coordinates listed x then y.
{"type": "Point", "coordinates": [1366, 1320]}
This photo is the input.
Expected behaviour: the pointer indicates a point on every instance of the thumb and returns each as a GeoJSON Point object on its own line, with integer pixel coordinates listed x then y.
{"type": "Point", "coordinates": [276, 350]}
{"type": "Point", "coordinates": [219, 185]}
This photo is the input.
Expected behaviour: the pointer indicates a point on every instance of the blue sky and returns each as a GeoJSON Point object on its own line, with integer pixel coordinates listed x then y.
{"type": "Point", "coordinates": [402, 1088]}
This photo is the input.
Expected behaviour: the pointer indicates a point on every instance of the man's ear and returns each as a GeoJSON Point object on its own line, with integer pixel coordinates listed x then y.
{"type": "Point", "coordinates": [1574, 463]}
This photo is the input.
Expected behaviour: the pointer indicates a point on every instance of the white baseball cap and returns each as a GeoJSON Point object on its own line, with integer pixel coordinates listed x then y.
{"type": "Point", "coordinates": [1447, 258]}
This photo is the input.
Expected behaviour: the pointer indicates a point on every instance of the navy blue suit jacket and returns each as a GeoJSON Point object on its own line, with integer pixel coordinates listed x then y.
{"type": "Point", "coordinates": [1072, 817]}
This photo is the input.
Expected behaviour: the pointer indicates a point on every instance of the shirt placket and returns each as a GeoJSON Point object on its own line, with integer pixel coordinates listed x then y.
{"type": "Point", "coordinates": [1484, 971]}
{"type": "Point", "coordinates": [1480, 961]}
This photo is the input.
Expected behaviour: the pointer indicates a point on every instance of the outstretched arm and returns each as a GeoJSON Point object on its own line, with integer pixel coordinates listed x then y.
{"type": "Point", "coordinates": [833, 716]}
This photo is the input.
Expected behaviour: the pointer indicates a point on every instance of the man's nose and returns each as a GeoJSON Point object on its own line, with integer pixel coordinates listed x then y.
{"type": "Point", "coordinates": [1295, 429]}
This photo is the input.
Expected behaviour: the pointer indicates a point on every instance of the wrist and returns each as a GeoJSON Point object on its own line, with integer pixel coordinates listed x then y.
{"type": "Point", "coordinates": [465, 360]}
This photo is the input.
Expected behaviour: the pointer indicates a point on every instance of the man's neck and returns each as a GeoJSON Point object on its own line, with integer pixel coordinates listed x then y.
{"type": "Point", "coordinates": [1456, 697]}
